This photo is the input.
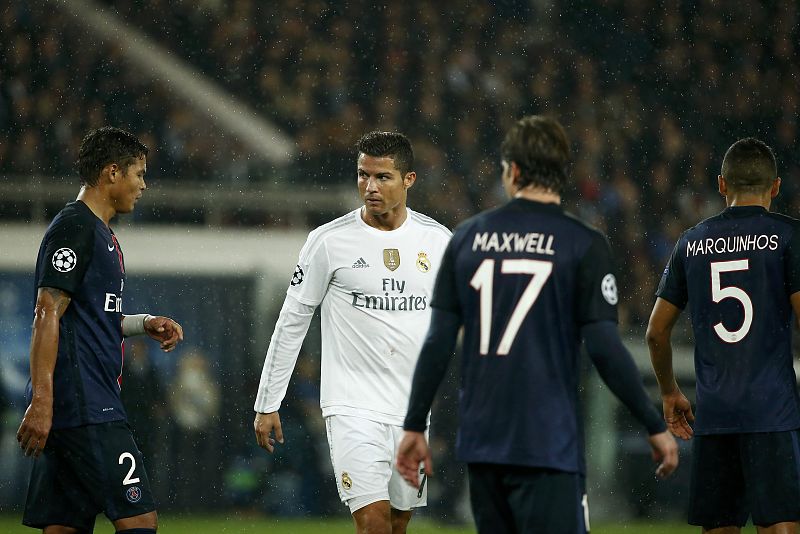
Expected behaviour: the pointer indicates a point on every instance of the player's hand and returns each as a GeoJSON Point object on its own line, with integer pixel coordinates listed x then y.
{"type": "Point", "coordinates": [165, 331]}
{"type": "Point", "coordinates": [412, 451]}
{"type": "Point", "coordinates": [35, 428]}
{"type": "Point", "coordinates": [264, 425]}
{"type": "Point", "coordinates": [665, 453]}
{"type": "Point", "coordinates": [678, 414]}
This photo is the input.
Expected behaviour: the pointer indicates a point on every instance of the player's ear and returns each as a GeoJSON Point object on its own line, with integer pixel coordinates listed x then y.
{"type": "Point", "coordinates": [776, 187]}
{"type": "Point", "coordinates": [111, 172]}
{"type": "Point", "coordinates": [409, 179]}
{"type": "Point", "coordinates": [515, 173]}
{"type": "Point", "coordinates": [723, 185]}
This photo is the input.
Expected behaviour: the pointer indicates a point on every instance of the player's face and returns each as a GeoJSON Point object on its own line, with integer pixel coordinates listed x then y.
{"type": "Point", "coordinates": [381, 185]}
{"type": "Point", "coordinates": [129, 185]}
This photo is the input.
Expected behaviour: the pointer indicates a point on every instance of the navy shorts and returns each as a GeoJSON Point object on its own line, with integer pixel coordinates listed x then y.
{"type": "Point", "coordinates": [84, 471]}
{"type": "Point", "coordinates": [510, 499]}
{"type": "Point", "coordinates": [739, 475]}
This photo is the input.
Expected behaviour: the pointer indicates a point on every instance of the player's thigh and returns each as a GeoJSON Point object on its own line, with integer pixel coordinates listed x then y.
{"type": "Point", "coordinates": [63, 484]}
{"type": "Point", "coordinates": [489, 500]}
{"type": "Point", "coordinates": [717, 493]}
{"type": "Point", "coordinates": [547, 500]}
{"type": "Point", "coordinates": [771, 464]}
{"type": "Point", "coordinates": [510, 499]}
{"type": "Point", "coordinates": [361, 454]}
{"type": "Point", "coordinates": [402, 496]}
{"type": "Point", "coordinates": [126, 490]}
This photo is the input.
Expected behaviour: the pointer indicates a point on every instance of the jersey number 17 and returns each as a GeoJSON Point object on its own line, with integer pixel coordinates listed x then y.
{"type": "Point", "coordinates": [483, 282]}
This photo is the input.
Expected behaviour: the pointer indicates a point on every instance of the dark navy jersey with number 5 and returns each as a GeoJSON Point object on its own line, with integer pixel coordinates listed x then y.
{"type": "Point", "coordinates": [81, 256]}
{"type": "Point", "coordinates": [736, 271]}
{"type": "Point", "coordinates": [524, 278]}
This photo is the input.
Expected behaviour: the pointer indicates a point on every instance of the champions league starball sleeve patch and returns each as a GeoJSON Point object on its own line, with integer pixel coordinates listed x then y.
{"type": "Point", "coordinates": [64, 260]}
{"type": "Point", "coordinates": [297, 277]}
{"type": "Point", "coordinates": [609, 289]}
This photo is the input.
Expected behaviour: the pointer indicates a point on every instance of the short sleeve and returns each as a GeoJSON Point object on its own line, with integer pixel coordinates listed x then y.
{"type": "Point", "coordinates": [792, 262]}
{"type": "Point", "coordinates": [673, 282]}
{"type": "Point", "coordinates": [67, 251]}
{"type": "Point", "coordinates": [597, 295]}
{"type": "Point", "coordinates": [309, 282]}
{"type": "Point", "coordinates": [445, 292]}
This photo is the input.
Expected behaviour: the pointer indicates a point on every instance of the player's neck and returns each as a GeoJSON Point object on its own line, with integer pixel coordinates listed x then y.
{"type": "Point", "coordinates": [538, 195]}
{"type": "Point", "coordinates": [748, 200]}
{"type": "Point", "coordinates": [391, 220]}
{"type": "Point", "coordinates": [97, 201]}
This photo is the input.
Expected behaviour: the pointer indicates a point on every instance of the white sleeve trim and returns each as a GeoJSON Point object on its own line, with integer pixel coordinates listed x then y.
{"type": "Point", "coordinates": [290, 330]}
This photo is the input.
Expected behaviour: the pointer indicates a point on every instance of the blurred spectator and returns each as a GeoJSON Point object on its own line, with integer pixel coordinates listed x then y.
{"type": "Point", "coordinates": [145, 404]}
{"type": "Point", "coordinates": [195, 403]}
{"type": "Point", "coordinates": [651, 94]}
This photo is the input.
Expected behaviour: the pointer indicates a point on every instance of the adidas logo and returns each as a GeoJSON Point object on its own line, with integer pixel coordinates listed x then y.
{"type": "Point", "coordinates": [360, 264]}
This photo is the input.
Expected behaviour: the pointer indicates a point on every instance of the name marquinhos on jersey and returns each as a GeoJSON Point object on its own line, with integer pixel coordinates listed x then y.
{"type": "Point", "coordinates": [531, 242]}
{"type": "Point", "coordinates": [736, 243]}
{"type": "Point", "coordinates": [387, 302]}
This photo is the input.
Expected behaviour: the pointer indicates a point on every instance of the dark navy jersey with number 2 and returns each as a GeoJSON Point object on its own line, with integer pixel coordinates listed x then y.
{"type": "Point", "coordinates": [736, 272]}
{"type": "Point", "coordinates": [81, 256]}
{"type": "Point", "coordinates": [524, 278]}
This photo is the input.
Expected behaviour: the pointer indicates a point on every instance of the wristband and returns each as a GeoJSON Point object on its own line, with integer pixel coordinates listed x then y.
{"type": "Point", "coordinates": [133, 325]}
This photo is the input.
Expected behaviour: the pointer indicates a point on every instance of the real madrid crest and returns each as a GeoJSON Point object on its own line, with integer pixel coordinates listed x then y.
{"type": "Point", "coordinates": [391, 258]}
{"type": "Point", "coordinates": [347, 482]}
{"type": "Point", "coordinates": [423, 263]}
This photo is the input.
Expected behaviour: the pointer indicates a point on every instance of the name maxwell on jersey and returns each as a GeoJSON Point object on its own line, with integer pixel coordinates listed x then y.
{"type": "Point", "coordinates": [513, 242]}
{"type": "Point", "coordinates": [389, 302]}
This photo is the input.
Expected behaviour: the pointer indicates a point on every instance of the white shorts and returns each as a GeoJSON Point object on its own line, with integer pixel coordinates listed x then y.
{"type": "Point", "coordinates": [363, 454]}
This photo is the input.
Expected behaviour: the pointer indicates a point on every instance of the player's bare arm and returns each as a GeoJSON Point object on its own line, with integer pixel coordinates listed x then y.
{"type": "Point", "coordinates": [677, 409]}
{"type": "Point", "coordinates": [795, 300]}
{"type": "Point", "coordinates": [51, 304]}
{"type": "Point", "coordinates": [264, 425]}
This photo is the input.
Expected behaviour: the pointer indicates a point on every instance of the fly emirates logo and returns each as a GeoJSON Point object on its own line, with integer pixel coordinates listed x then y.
{"type": "Point", "coordinates": [392, 299]}
{"type": "Point", "coordinates": [113, 303]}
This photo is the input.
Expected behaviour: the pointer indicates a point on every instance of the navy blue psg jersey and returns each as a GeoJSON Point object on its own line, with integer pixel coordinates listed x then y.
{"type": "Point", "coordinates": [736, 272]}
{"type": "Point", "coordinates": [81, 256]}
{"type": "Point", "coordinates": [524, 278]}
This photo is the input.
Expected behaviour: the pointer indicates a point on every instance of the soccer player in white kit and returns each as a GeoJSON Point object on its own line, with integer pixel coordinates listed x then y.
{"type": "Point", "coordinates": [372, 271]}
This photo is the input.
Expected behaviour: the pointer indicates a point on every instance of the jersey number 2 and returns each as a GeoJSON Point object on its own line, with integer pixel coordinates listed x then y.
{"type": "Point", "coordinates": [719, 293]}
{"type": "Point", "coordinates": [128, 479]}
{"type": "Point", "coordinates": [483, 281]}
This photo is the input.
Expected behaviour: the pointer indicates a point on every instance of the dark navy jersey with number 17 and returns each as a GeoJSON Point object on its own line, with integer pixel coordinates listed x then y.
{"type": "Point", "coordinates": [80, 255]}
{"type": "Point", "coordinates": [736, 271]}
{"type": "Point", "coordinates": [524, 278]}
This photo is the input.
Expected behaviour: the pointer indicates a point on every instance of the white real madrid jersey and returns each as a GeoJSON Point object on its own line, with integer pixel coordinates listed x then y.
{"type": "Point", "coordinates": [375, 289]}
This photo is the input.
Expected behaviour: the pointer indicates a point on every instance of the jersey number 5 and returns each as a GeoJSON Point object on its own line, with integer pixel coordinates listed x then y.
{"type": "Point", "coordinates": [483, 281]}
{"type": "Point", "coordinates": [719, 293]}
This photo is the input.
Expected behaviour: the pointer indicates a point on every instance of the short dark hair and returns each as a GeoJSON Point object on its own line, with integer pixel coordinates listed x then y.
{"type": "Point", "coordinates": [539, 147]}
{"type": "Point", "coordinates": [388, 144]}
{"type": "Point", "coordinates": [749, 165]}
{"type": "Point", "coordinates": [104, 146]}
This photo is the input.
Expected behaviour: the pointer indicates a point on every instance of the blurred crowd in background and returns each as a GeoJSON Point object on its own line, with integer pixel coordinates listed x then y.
{"type": "Point", "coordinates": [651, 94]}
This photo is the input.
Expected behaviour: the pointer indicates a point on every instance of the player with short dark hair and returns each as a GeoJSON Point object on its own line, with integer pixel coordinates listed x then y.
{"type": "Point", "coordinates": [527, 281]}
{"type": "Point", "coordinates": [371, 272]}
{"type": "Point", "coordinates": [740, 273]}
{"type": "Point", "coordinates": [85, 460]}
